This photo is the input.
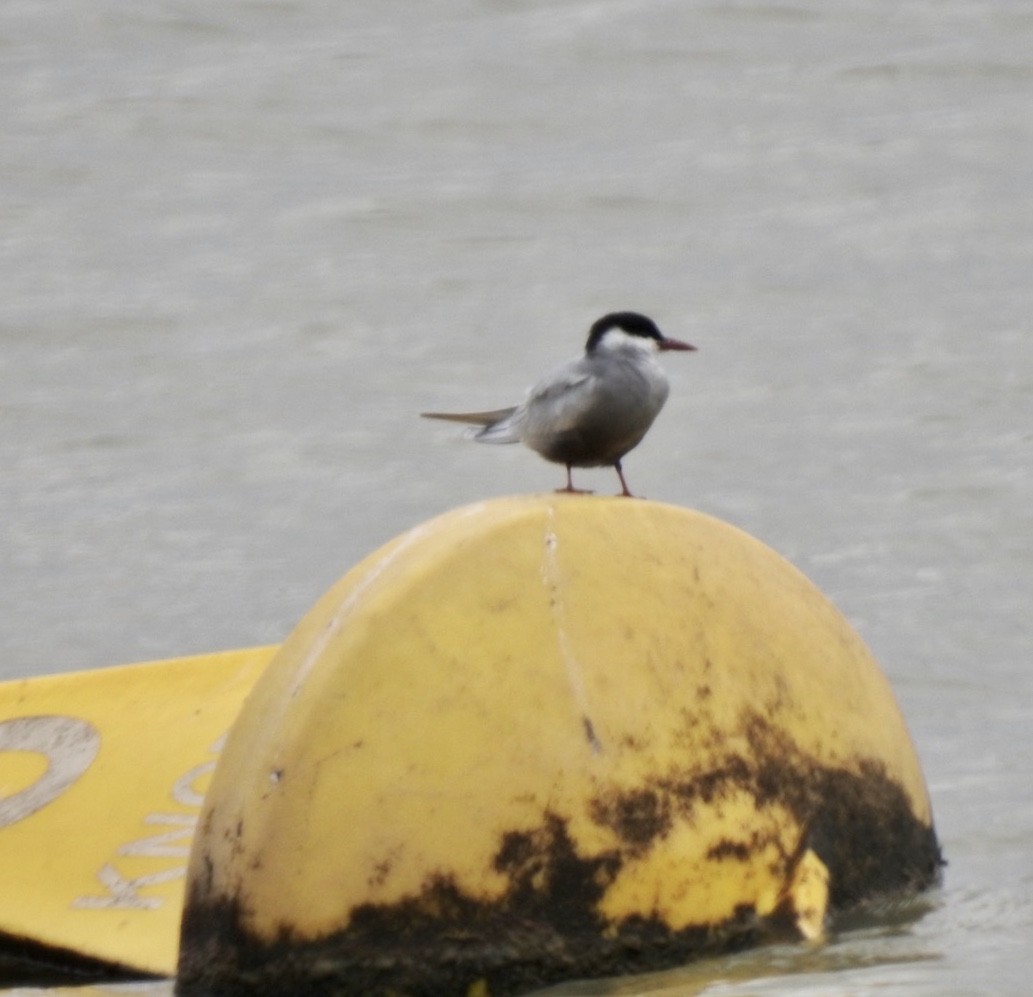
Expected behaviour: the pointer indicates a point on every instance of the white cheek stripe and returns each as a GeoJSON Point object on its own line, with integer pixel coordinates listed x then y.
{"type": "Point", "coordinates": [617, 339]}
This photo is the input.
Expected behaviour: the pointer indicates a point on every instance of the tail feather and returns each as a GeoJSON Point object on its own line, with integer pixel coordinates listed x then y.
{"type": "Point", "coordinates": [472, 418]}
{"type": "Point", "coordinates": [496, 426]}
{"type": "Point", "coordinates": [503, 431]}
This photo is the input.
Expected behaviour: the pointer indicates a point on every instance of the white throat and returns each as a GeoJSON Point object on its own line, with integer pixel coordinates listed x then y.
{"type": "Point", "coordinates": [618, 341]}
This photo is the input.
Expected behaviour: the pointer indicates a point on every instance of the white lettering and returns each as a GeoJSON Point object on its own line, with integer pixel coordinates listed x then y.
{"type": "Point", "coordinates": [183, 790]}
{"type": "Point", "coordinates": [69, 745]}
{"type": "Point", "coordinates": [162, 844]}
{"type": "Point", "coordinates": [122, 892]}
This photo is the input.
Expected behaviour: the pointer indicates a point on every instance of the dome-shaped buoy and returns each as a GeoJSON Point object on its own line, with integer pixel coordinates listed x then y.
{"type": "Point", "coordinates": [547, 738]}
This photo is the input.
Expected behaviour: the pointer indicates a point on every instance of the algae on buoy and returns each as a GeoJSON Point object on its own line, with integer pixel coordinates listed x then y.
{"type": "Point", "coordinates": [547, 738]}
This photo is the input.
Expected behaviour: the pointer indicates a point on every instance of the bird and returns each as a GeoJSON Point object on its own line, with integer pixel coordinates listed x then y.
{"type": "Point", "coordinates": [592, 410]}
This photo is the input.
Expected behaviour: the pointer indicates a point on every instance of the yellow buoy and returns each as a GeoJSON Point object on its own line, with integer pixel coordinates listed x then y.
{"type": "Point", "coordinates": [545, 738]}
{"type": "Point", "coordinates": [102, 776]}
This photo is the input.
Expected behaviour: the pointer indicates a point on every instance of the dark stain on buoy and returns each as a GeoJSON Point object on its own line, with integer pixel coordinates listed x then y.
{"type": "Point", "coordinates": [546, 925]}
{"type": "Point", "coordinates": [638, 817]}
{"type": "Point", "coordinates": [590, 735]}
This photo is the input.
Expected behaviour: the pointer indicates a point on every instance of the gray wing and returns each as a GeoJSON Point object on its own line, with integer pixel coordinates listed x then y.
{"type": "Point", "coordinates": [557, 403]}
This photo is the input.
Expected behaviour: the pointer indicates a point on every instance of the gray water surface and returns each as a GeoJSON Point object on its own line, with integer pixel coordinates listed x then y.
{"type": "Point", "coordinates": [243, 244]}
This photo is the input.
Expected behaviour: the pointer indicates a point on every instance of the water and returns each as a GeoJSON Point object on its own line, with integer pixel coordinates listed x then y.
{"type": "Point", "coordinates": [243, 244]}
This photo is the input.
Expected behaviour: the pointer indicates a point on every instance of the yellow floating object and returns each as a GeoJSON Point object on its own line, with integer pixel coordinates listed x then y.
{"type": "Point", "coordinates": [545, 738]}
{"type": "Point", "coordinates": [102, 775]}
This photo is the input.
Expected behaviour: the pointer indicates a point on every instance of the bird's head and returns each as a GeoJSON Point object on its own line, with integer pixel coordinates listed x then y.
{"type": "Point", "coordinates": [625, 331]}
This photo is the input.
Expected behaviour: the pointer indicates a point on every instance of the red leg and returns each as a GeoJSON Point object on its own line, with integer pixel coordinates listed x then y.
{"type": "Point", "coordinates": [570, 489]}
{"type": "Point", "coordinates": [625, 491]}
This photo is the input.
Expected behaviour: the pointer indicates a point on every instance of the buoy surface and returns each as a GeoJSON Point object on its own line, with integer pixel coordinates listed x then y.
{"type": "Point", "coordinates": [545, 738]}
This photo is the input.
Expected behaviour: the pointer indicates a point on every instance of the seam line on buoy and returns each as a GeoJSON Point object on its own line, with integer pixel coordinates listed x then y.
{"type": "Point", "coordinates": [551, 579]}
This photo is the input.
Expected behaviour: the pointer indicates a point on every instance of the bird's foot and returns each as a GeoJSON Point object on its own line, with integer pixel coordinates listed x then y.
{"type": "Point", "coordinates": [571, 490]}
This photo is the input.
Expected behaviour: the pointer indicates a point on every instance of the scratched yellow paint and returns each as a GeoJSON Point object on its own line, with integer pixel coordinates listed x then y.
{"type": "Point", "coordinates": [102, 774]}
{"type": "Point", "coordinates": [571, 681]}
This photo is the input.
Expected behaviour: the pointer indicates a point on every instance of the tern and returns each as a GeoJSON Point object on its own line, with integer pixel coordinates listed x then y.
{"type": "Point", "coordinates": [592, 410]}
